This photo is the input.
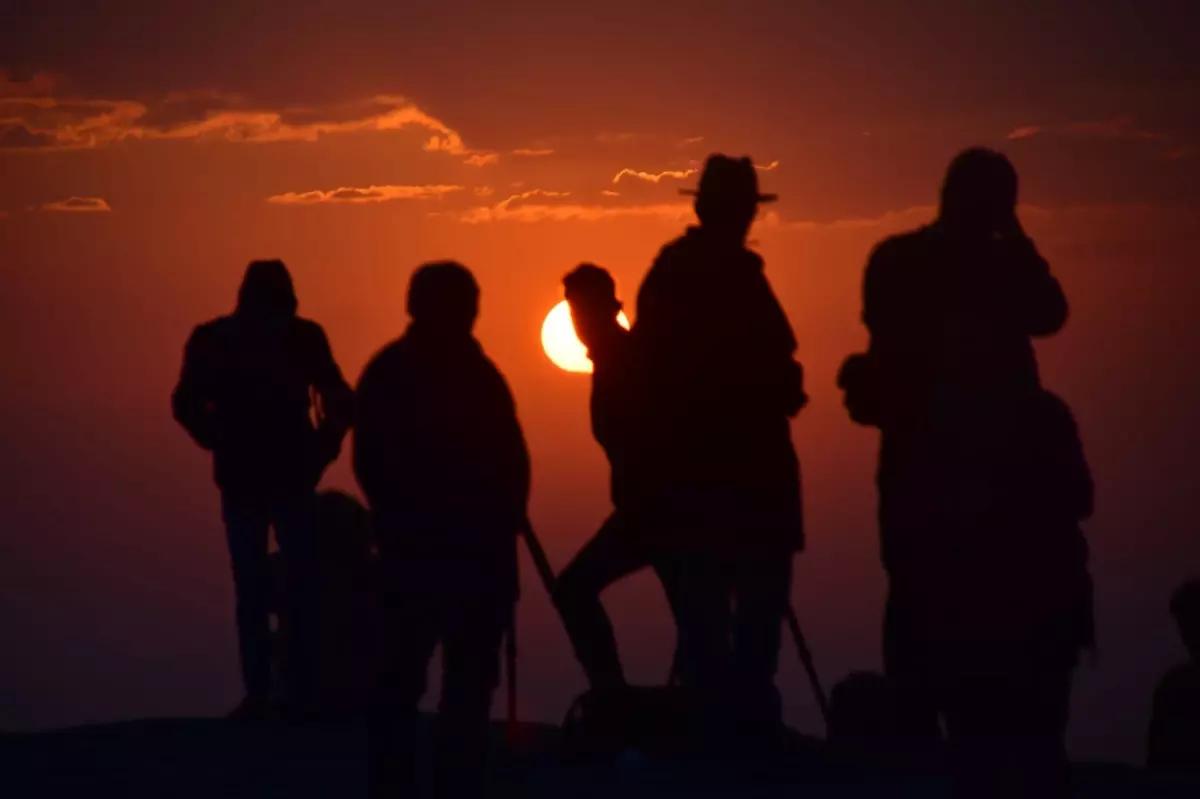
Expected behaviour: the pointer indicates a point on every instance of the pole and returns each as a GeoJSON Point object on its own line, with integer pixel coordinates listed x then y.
{"type": "Point", "coordinates": [806, 659]}
{"type": "Point", "coordinates": [541, 564]}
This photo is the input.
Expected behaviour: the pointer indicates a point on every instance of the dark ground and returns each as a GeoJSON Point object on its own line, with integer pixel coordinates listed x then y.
{"type": "Point", "coordinates": [207, 758]}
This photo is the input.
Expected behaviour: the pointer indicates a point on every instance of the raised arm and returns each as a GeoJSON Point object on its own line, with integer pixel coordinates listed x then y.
{"type": "Point", "coordinates": [191, 401]}
{"type": "Point", "coordinates": [1038, 298]}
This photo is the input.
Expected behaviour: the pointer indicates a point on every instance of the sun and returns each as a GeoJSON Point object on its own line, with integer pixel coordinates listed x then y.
{"type": "Point", "coordinates": [562, 345]}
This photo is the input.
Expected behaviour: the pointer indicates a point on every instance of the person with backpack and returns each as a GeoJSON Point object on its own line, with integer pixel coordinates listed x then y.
{"type": "Point", "coordinates": [983, 486]}
{"type": "Point", "coordinates": [716, 357]}
{"type": "Point", "coordinates": [247, 391]}
{"type": "Point", "coordinates": [441, 458]}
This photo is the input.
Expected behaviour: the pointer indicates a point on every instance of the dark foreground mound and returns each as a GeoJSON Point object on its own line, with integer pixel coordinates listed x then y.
{"type": "Point", "coordinates": [201, 758]}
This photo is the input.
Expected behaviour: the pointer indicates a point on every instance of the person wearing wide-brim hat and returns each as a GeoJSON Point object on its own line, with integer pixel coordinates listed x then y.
{"type": "Point", "coordinates": [721, 384]}
{"type": "Point", "coordinates": [729, 182]}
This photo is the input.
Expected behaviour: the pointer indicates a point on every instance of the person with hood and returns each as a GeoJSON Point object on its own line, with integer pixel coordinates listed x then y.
{"type": "Point", "coordinates": [441, 458]}
{"type": "Point", "coordinates": [250, 385]}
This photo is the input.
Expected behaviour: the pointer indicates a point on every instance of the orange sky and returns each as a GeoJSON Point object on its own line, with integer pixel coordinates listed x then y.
{"type": "Point", "coordinates": [147, 157]}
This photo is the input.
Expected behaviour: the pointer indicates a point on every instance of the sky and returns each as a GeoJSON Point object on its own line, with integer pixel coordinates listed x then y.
{"type": "Point", "coordinates": [149, 151]}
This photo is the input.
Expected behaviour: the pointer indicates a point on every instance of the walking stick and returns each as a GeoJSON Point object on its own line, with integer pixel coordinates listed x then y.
{"type": "Point", "coordinates": [810, 667]}
{"type": "Point", "coordinates": [540, 561]}
{"type": "Point", "coordinates": [542, 564]}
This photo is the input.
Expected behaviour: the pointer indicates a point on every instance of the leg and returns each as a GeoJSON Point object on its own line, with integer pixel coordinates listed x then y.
{"type": "Point", "coordinates": [762, 591]}
{"type": "Point", "coordinates": [702, 594]}
{"type": "Point", "coordinates": [907, 663]}
{"type": "Point", "coordinates": [246, 528]}
{"type": "Point", "coordinates": [471, 664]}
{"type": "Point", "coordinates": [607, 558]}
{"type": "Point", "coordinates": [408, 635]}
{"type": "Point", "coordinates": [297, 531]}
{"type": "Point", "coordinates": [1045, 769]}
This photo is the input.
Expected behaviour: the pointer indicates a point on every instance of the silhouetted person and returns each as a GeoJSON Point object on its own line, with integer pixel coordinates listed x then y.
{"type": "Point", "coordinates": [715, 353]}
{"type": "Point", "coordinates": [989, 597]}
{"type": "Point", "coordinates": [350, 607]}
{"type": "Point", "coordinates": [1174, 740]}
{"type": "Point", "coordinates": [346, 578]}
{"type": "Point", "coordinates": [628, 540]}
{"type": "Point", "coordinates": [440, 455]}
{"type": "Point", "coordinates": [246, 393]}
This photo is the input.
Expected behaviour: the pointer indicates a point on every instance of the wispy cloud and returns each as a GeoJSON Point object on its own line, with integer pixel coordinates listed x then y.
{"type": "Point", "coordinates": [539, 205]}
{"type": "Point", "coordinates": [41, 121]}
{"type": "Point", "coordinates": [360, 196]}
{"type": "Point", "coordinates": [1024, 132]}
{"type": "Point", "coordinates": [79, 205]}
{"type": "Point", "coordinates": [690, 140]}
{"type": "Point", "coordinates": [533, 152]}
{"type": "Point", "coordinates": [484, 191]}
{"type": "Point", "coordinates": [653, 177]}
{"type": "Point", "coordinates": [610, 193]}
{"type": "Point", "coordinates": [1116, 128]}
{"type": "Point", "coordinates": [767, 167]}
{"type": "Point", "coordinates": [616, 138]}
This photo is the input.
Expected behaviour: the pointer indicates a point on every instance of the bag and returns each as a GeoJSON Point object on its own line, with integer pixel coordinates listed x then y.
{"type": "Point", "coordinates": [661, 721]}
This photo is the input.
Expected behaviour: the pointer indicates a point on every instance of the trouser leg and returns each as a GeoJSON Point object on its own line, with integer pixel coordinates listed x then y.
{"type": "Point", "coordinates": [1006, 731]}
{"type": "Point", "coordinates": [298, 534]}
{"type": "Point", "coordinates": [247, 525]}
{"type": "Point", "coordinates": [762, 593]}
{"type": "Point", "coordinates": [908, 663]}
{"type": "Point", "coordinates": [702, 589]}
{"type": "Point", "coordinates": [471, 664]}
{"type": "Point", "coordinates": [408, 634]}
{"type": "Point", "coordinates": [604, 560]}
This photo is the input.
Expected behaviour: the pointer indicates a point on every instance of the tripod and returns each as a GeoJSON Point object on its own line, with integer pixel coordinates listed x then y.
{"type": "Point", "coordinates": [545, 572]}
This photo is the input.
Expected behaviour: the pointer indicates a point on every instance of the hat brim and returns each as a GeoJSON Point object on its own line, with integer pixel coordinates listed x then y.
{"type": "Point", "coordinates": [758, 198]}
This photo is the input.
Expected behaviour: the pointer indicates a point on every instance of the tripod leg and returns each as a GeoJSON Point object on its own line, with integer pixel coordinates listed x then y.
{"type": "Point", "coordinates": [810, 667]}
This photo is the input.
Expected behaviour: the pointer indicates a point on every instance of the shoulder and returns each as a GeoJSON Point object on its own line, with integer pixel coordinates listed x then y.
{"type": "Point", "coordinates": [754, 260]}
{"type": "Point", "coordinates": [665, 270]}
{"type": "Point", "coordinates": [387, 360]}
{"type": "Point", "coordinates": [208, 335]}
{"type": "Point", "coordinates": [309, 332]}
{"type": "Point", "coordinates": [492, 375]}
{"type": "Point", "coordinates": [900, 247]}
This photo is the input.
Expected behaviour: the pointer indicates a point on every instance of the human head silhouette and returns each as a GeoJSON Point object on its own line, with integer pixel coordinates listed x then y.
{"type": "Point", "coordinates": [267, 290]}
{"type": "Point", "coordinates": [443, 297]}
{"type": "Point", "coordinates": [727, 197]}
{"type": "Point", "coordinates": [1185, 607]}
{"type": "Point", "coordinates": [592, 296]}
{"type": "Point", "coordinates": [979, 193]}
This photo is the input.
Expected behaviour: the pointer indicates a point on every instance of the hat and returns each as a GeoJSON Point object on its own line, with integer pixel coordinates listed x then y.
{"type": "Point", "coordinates": [732, 178]}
